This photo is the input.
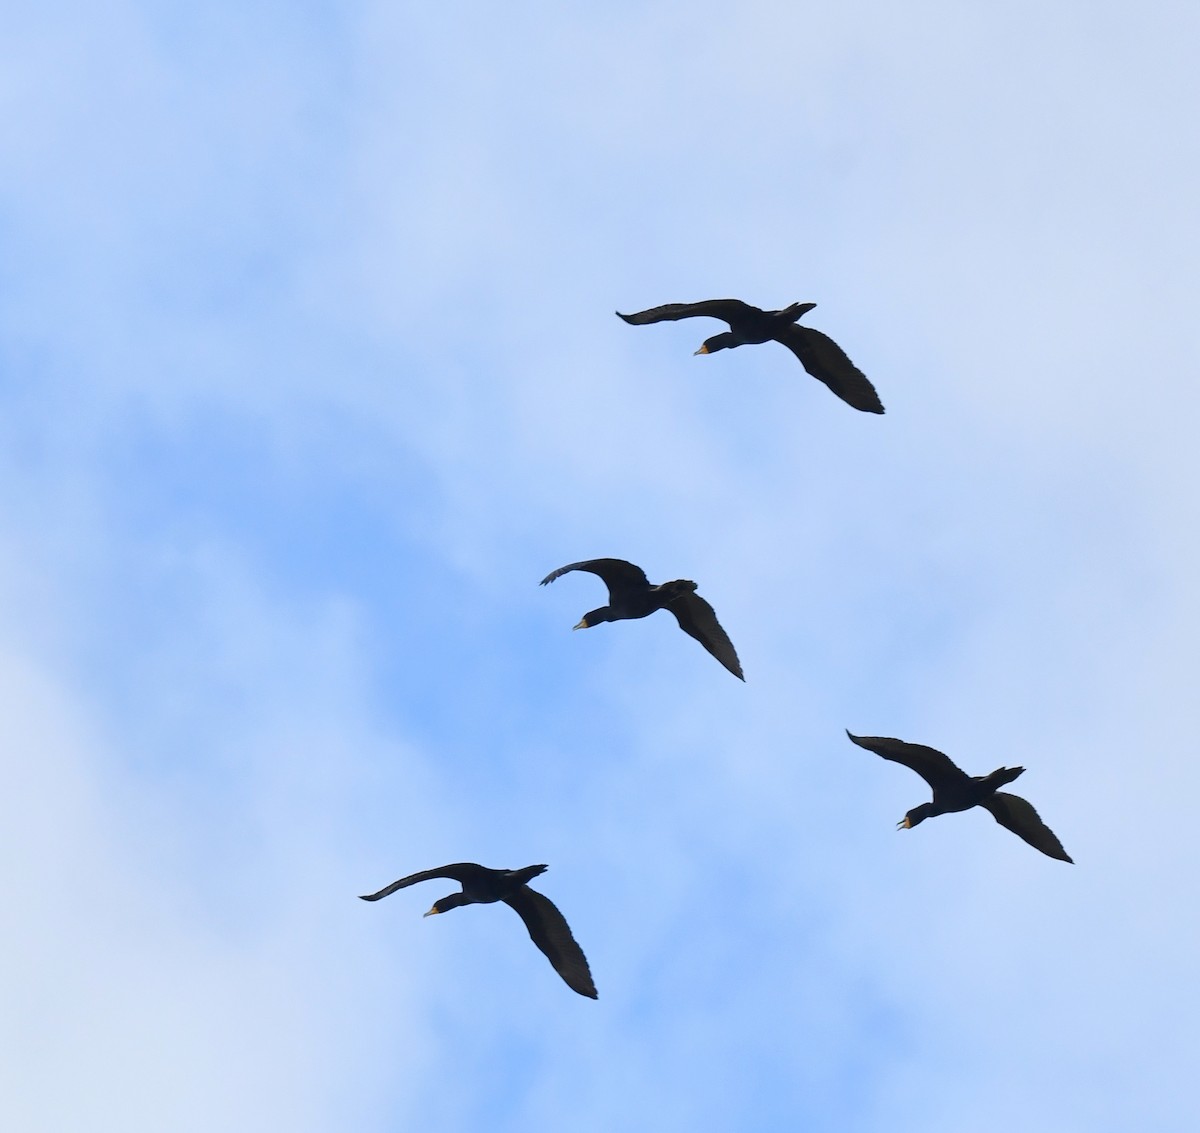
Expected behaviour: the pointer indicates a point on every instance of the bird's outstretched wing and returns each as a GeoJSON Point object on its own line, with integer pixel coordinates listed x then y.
{"type": "Point", "coordinates": [729, 310]}
{"type": "Point", "coordinates": [619, 576]}
{"type": "Point", "coordinates": [1018, 815]}
{"type": "Point", "coordinates": [936, 768]}
{"type": "Point", "coordinates": [462, 872]}
{"type": "Point", "coordinates": [829, 363]}
{"type": "Point", "coordinates": [548, 929]}
{"type": "Point", "coordinates": [699, 620]}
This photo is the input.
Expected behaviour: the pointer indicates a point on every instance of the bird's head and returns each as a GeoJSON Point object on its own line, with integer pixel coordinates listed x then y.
{"type": "Point", "coordinates": [723, 341]}
{"type": "Point", "coordinates": [914, 817]}
{"type": "Point", "coordinates": [445, 904]}
{"type": "Point", "coordinates": [594, 618]}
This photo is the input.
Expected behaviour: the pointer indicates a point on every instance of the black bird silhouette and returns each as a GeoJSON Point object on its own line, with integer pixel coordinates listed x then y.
{"type": "Point", "coordinates": [954, 789]}
{"type": "Point", "coordinates": [630, 595]}
{"type": "Point", "coordinates": [818, 353]}
{"type": "Point", "coordinates": [482, 886]}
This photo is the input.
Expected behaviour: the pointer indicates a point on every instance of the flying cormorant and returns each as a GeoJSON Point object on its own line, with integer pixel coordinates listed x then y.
{"type": "Point", "coordinates": [630, 595]}
{"type": "Point", "coordinates": [818, 353]}
{"type": "Point", "coordinates": [954, 789]}
{"type": "Point", "coordinates": [482, 886]}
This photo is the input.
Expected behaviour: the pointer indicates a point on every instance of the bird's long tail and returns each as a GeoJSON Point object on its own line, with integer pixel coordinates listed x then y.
{"type": "Point", "coordinates": [793, 312]}
{"type": "Point", "coordinates": [1003, 775]}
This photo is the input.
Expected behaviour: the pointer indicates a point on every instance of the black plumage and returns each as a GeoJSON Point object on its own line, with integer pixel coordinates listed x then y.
{"type": "Point", "coordinates": [630, 595]}
{"type": "Point", "coordinates": [482, 886]}
{"type": "Point", "coordinates": [954, 790]}
{"type": "Point", "coordinates": [818, 353]}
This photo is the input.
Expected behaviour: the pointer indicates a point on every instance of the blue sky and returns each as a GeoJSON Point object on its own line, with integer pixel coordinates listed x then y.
{"type": "Point", "coordinates": [309, 372]}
